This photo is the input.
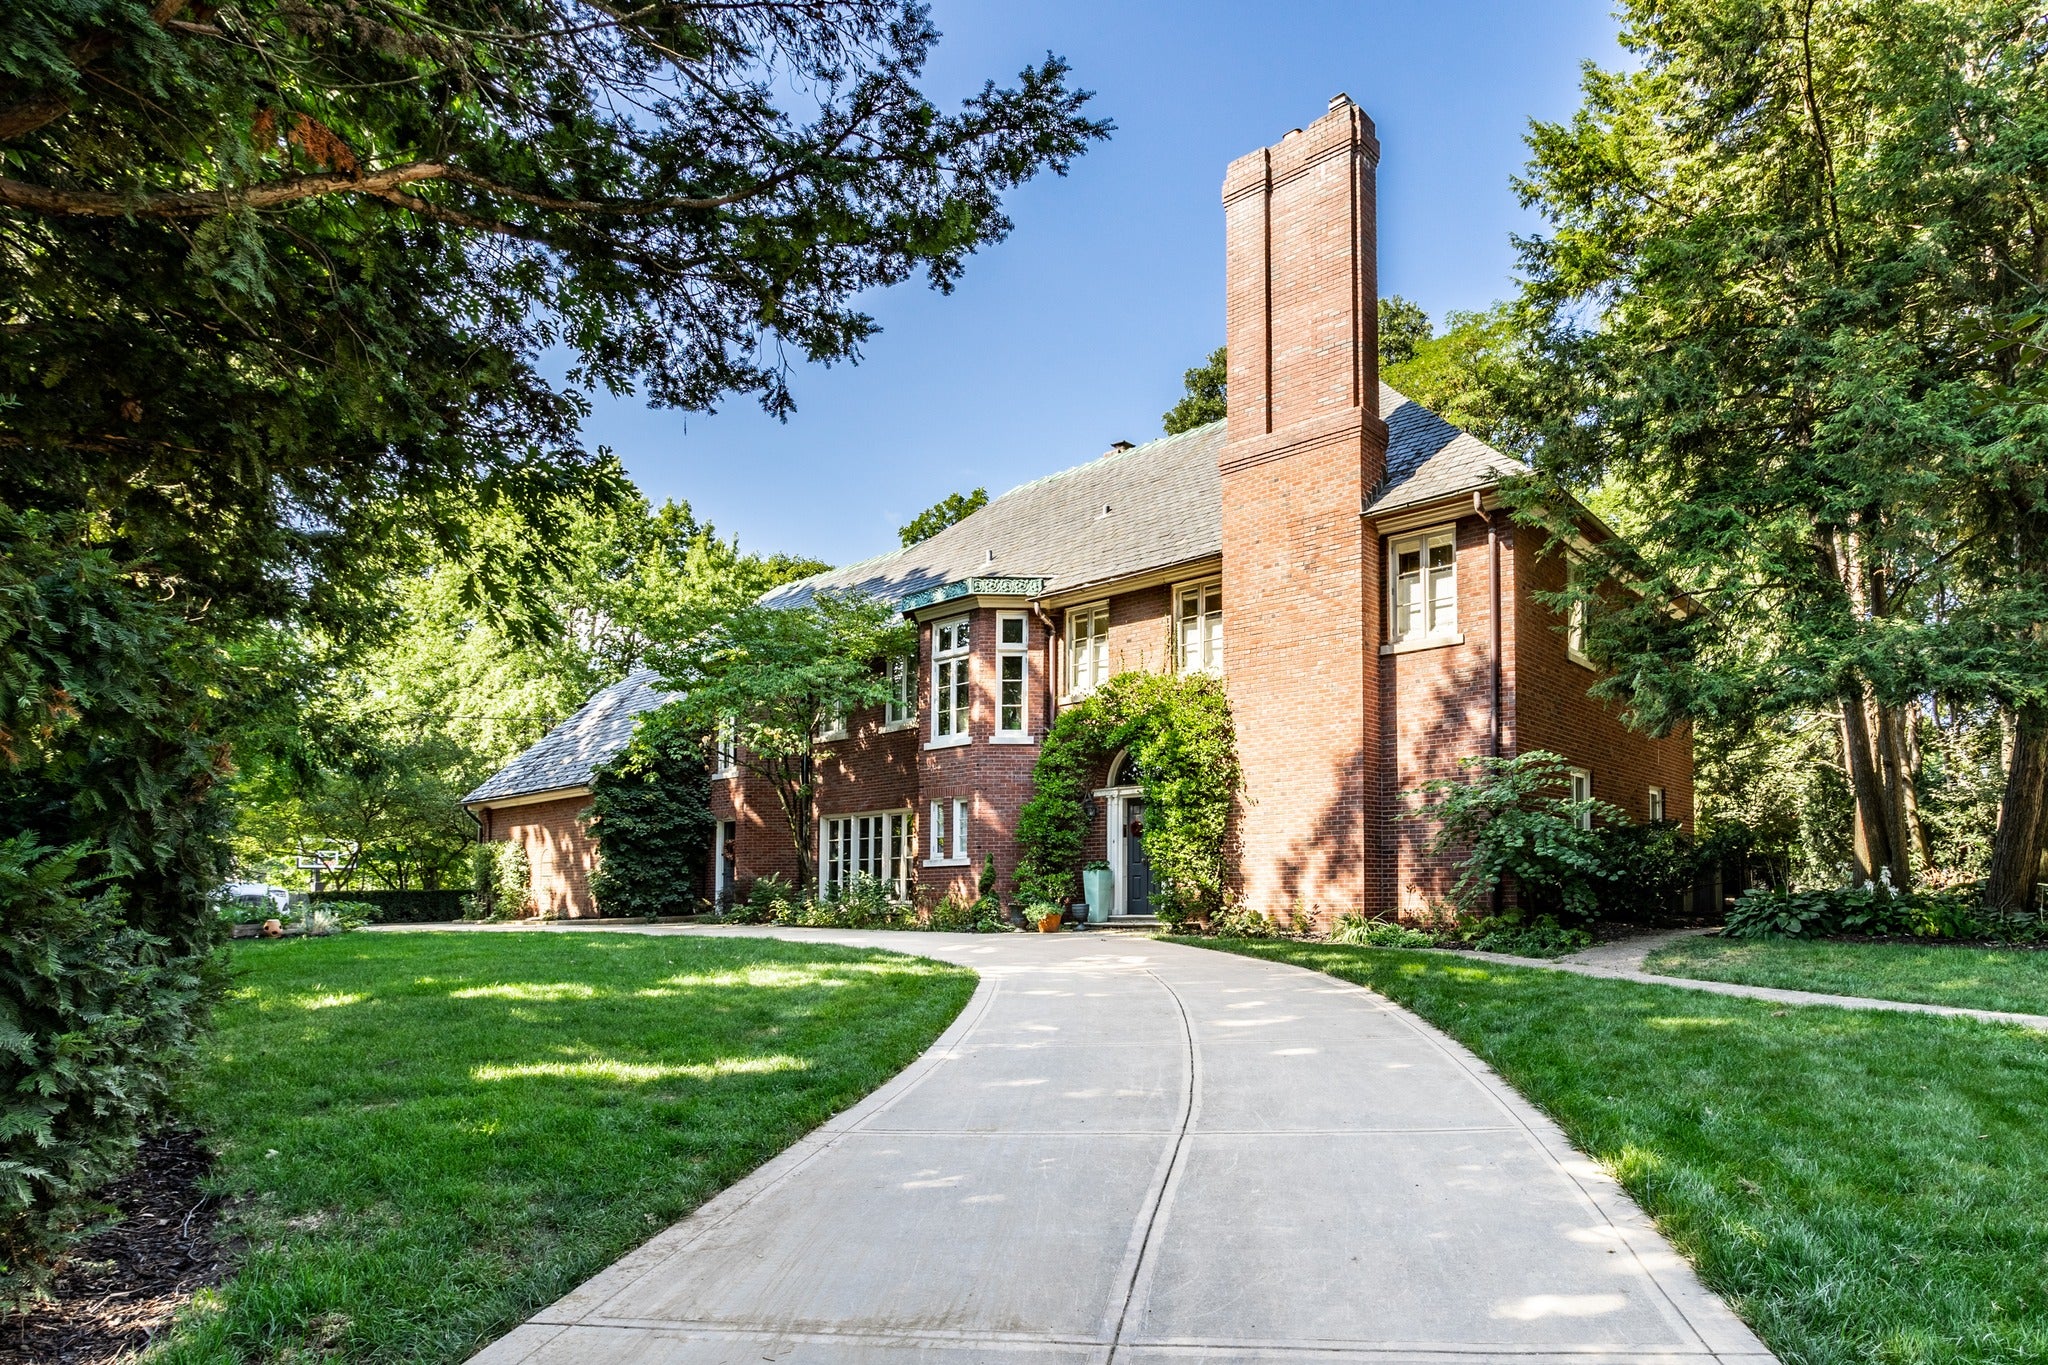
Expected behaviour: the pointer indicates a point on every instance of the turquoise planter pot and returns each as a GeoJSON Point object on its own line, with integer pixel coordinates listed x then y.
{"type": "Point", "coordinates": [1100, 887]}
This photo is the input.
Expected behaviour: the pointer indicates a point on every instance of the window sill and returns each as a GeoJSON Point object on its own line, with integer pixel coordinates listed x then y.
{"type": "Point", "coordinates": [1013, 739]}
{"type": "Point", "coordinates": [949, 862]}
{"type": "Point", "coordinates": [834, 737]}
{"type": "Point", "coordinates": [895, 726]}
{"type": "Point", "coordinates": [1581, 660]}
{"type": "Point", "coordinates": [1425, 642]}
{"type": "Point", "coordinates": [726, 776]}
{"type": "Point", "coordinates": [949, 742]}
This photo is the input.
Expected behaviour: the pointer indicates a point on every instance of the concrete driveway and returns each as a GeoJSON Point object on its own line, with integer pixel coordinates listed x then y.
{"type": "Point", "coordinates": [1143, 1153]}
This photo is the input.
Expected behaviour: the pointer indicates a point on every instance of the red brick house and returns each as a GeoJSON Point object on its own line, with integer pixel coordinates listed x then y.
{"type": "Point", "coordinates": [1333, 550]}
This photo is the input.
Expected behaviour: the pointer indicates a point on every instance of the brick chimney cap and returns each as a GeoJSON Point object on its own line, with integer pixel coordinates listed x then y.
{"type": "Point", "coordinates": [1340, 100]}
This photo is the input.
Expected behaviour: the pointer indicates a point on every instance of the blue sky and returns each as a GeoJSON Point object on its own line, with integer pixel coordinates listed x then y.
{"type": "Point", "coordinates": [1073, 332]}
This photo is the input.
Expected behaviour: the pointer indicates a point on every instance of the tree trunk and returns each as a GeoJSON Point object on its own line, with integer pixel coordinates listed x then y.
{"type": "Point", "coordinates": [2016, 849]}
{"type": "Point", "coordinates": [1898, 791]}
{"type": "Point", "coordinates": [1873, 847]}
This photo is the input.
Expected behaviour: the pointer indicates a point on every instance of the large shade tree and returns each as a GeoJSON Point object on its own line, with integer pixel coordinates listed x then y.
{"type": "Point", "coordinates": [1770, 240]}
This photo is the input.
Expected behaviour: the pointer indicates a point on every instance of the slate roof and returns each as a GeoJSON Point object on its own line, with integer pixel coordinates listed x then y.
{"type": "Point", "coordinates": [1128, 512]}
{"type": "Point", "coordinates": [568, 754]}
{"type": "Point", "coordinates": [1164, 502]}
{"type": "Point", "coordinates": [1428, 458]}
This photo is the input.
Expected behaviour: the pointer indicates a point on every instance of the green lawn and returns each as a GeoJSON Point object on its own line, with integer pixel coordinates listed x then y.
{"type": "Point", "coordinates": [434, 1135]}
{"type": "Point", "coordinates": [1862, 1186]}
{"type": "Point", "coordinates": [1983, 978]}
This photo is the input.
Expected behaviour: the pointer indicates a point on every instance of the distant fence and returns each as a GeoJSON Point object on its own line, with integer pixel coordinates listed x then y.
{"type": "Point", "coordinates": [400, 907]}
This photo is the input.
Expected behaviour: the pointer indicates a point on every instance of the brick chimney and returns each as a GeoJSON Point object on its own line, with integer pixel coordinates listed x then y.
{"type": "Point", "coordinates": [1303, 448]}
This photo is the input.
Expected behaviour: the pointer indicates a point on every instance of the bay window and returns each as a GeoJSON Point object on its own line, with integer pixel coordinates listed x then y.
{"type": "Point", "coordinates": [951, 646]}
{"type": "Point", "coordinates": [1013, 667]}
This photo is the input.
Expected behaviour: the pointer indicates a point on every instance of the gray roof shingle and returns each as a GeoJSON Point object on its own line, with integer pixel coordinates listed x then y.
{"type": "Point", "coordinates": [568, 754]}
{"type": "Point", "coordinates": [1128, 512]}
{"type": "Point", "coordinates": [1165, 507]}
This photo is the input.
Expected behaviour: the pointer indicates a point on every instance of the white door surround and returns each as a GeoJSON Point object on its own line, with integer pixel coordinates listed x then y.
{"type": "Point", "coordinates": [1116, 812]}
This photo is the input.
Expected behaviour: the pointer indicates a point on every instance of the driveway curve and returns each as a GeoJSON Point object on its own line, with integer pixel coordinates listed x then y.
{"type": "Point", "coordinates": [1137, 1152]}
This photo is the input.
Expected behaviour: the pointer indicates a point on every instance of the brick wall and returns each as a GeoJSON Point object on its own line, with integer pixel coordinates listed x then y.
{"type": "Point", "coordinates": [558, 848]}
{"type": "Point", "coordinates": [1554, 711]}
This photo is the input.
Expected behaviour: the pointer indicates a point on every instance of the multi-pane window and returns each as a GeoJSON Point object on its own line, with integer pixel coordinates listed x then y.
{"type": "Point", "coordinates": [949, 831]}
{"type": "Point", "coordinates": [725, 749]}
{"type": "Point", "coordinates": [1199, 614]}
{"type": "Point", "coordinates": [951, 644]}
{"type": "Point", "coordinates": [876, 845]}
{"type": "Point", "coordinates": [1013, 666]}
{"type": "Point", "coordinates": [1087, 649]}
{"type": "Point", "coordinates": [1425, 587]}
{"type": "Point", "coordinates": [1656, 805]}
{"type": "Point", "coordinates": [1582, 795]}
{"type": "Point", "coordinates": [1575, 614]}
{"type": "Point", "coordinates": [902, 707]}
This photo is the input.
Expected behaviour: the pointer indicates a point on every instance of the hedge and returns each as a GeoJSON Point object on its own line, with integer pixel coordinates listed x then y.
{"type": "Point", "coordinates": [401, 907]}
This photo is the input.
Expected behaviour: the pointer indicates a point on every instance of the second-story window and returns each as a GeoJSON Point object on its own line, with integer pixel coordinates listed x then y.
{"type": "Point", "coordinates": [725, 749]}
{"type": "Point", "coordinates": [951, 644]}
{"type": "Point", "coordinates": [1013, 666]}
{"type": "Point", "coordinates": [1087, 649]}
{"type": "Point", "coordinates": [1575, 615]}
{"type": "Point", "coordinates": [1425, 605]}
{"type": "Point", "coordinates": [1200, 623]}
{"type": "Point", "coordinates": [902, 707]}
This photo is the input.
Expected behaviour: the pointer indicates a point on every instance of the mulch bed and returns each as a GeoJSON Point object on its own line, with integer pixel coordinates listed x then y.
{"type": "Point", "coordinates": [120, 1288]}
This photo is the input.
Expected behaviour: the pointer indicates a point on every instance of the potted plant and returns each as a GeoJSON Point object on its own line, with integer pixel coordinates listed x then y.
{"type": "Point", "coordinates": [1045, 915]}
{"type": "Point", "coordinates": [1099, 882]}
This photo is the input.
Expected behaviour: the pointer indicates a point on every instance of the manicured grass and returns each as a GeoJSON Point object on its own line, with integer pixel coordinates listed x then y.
{"type": "Point", "coordinates": [1861, 1186]}
{"type": "Point", "coordinates": [434, 1135]}
{"type": "Point", "coordinates": [1982, 978]}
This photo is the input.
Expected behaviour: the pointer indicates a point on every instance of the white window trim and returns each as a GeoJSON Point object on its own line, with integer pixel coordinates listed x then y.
{"type": "Point", "coordinates": [908, 885]}
{"type": "Point", "coordinates": [1068, 691]}
{"type": "Point", "coordinates": [1021, 653]}
{"type": "Point", "coordinates": [1425, 638]}
{"type": "Point", "coordinates": [1586, 775]}
{"type": "Point", "coordinates": [907, 665]}
{"type": "Point", "coordinates": [964, 733]}
{"type": "Point", "coordinates": [834, 729]}
{"type": "Point", "coordinates": [949, 819]}
{"type": "Point", "coordinates": [1211, 666]}
{"type": "Point", "coordinates": [1658, 805]}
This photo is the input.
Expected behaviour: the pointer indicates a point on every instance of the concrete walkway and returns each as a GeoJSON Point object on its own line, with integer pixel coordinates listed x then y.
{"type": "Point", "coordinates": [1145, 1153]}
{"type": "Point", "coordinates": [1622, 960]}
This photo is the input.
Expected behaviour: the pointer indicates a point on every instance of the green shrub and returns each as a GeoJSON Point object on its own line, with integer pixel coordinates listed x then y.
{"type": "Point", "coordinates": [1378, 933]}
{"type": "Point", "coordinates": [983, 915]}
{"type": "Point", "coordinates": [1238, 921]}
{"type": "Point", "coordinates": [767, 900]}
{"type": "Point", "coordinates": [111, 756]}
{"type": "Point", "coordinates": [1543, 937]}
{"type": "Point", "coordinates": [398, 907]}
{"type": "Point", "coordinates": [1874, 909]}
{"type": "Point", "coordinates": [650, 810]}
{"type": "Point", "coordinates": [1509, 819]}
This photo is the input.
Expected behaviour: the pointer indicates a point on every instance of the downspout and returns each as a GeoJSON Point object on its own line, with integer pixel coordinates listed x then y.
{"type": "Point", "coordinates": [1493, 625]}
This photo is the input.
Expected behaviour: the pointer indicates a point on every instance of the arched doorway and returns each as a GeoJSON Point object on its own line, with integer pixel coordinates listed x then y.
{"type": "Point", "coordinates": [1124, 805]}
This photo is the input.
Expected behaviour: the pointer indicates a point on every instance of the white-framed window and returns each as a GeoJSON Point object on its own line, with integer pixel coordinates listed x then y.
{"type": "Point", "coordinates": [902, 706]}
{"type": "Point", "coordinates": [1087, 648]}
{"type": "Point", "coordinates": [832, 727]}
{"type": "Point", "coordinates": [725, 748]}
{"type": "Point", "coordinates": [949, 832]}
{"type": "Point", "coordinates": [879, 844]}
{"type": "Point", "coordinates": [952, 642]}
{"type": "Point", "coordinates": [1656, 805]}
{"type": "Point", "coordinates": [1575, 615]}
{"type": "Point", "coordinates": [1424, 577]}
{"type": "Point", "coordinates": [1582, 791]}
{"type": "Point", "coordinates": [1013, 670]}
{"type": "Point", "coordinates": [1198, 617]}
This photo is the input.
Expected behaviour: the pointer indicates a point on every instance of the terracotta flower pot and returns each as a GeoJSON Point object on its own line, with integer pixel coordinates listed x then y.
{"type": "Point", "coordinates": [1049, 925]}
